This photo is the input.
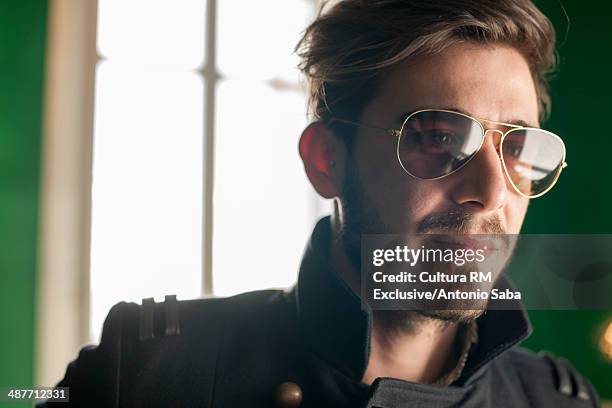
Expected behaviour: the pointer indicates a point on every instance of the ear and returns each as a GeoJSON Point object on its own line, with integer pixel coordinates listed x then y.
{"type": "Point", "coordinates": [323, 157]}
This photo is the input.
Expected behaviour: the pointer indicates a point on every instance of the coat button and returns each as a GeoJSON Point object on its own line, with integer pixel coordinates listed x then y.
{"type": "Point", "coordinates": [288, 395]}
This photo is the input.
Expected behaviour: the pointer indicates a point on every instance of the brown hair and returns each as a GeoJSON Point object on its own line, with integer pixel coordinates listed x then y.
{"type": "Point", "coordinates": [347, 48]}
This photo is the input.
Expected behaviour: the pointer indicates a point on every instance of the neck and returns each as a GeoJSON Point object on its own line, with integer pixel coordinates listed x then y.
{"type": "Point", "coordinates": [404, 345]}
{"type": "Point", "coordinates": [414, 348]}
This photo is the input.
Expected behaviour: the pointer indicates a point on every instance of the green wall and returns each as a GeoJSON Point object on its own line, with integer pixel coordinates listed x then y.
{"type": "Point", "coordinates": [22, 42]}
{"type": "Point", "coordinates": [580, 202]}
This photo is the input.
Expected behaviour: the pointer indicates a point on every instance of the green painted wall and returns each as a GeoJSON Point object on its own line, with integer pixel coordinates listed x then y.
{"type": "Point", "coordinates": [580, 203]}
{"type": "Point", "coordinates": [22, 43]}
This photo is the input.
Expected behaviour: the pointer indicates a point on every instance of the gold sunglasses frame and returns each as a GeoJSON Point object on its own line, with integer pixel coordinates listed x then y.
{"type": "Point", "coordinates": [398, 133]}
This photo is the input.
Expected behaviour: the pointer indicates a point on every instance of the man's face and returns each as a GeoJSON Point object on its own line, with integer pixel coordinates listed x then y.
{"type": "Point", "coordinates": [492, 83]}
{"type": "Point", "coordinates": [378, 197]}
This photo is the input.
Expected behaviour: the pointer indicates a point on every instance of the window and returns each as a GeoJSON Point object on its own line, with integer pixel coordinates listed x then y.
{"type": "Point", "coordinates": [197, 184]}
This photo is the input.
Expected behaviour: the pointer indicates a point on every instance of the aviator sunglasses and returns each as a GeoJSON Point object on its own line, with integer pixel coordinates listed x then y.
{"type": "Point", "coordinates": [435, 143]}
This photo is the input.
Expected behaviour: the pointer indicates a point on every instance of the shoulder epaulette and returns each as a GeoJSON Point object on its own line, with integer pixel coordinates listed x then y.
{"type": "Point", "coordinates": [569, 382]}
{"type": "Point", "coordinates": [147, 319]}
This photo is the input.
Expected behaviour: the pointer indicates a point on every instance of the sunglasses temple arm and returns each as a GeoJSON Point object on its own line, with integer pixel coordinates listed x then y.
{"type": "Point", "coordinates": [392, 132]}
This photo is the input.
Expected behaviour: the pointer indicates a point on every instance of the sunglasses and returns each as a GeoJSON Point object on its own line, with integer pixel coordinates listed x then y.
{"type": "Point", "coordinates": [435, 143]}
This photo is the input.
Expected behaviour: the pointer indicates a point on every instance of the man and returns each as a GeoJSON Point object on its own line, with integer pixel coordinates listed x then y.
{"type": "Point", "coordinates": [426, 114]}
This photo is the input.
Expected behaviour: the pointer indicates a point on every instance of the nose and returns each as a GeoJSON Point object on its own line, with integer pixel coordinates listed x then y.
{"type": "Point", "coordinates": [481, 185]}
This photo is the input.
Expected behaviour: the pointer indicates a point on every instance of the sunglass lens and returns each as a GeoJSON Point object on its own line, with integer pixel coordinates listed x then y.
{"type": "Point", "coordinates": [436, 143]}
{"type": "Point", "coordinates": [533, 159]}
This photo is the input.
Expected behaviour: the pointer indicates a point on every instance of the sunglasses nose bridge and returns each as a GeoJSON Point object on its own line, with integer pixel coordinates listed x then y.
{"type": "Point", "coordinates": [494, 131]}
{"type": "Point", "coordinates": [496, 140]}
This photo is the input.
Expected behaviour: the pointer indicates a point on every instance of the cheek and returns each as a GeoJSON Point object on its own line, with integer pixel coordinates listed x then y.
{"type": "Point", "coordinates": [420, 199]}
{"type": "Point", "coordinates": [400, 200]}
{"type": "Point", "coordinates": [379, 170]}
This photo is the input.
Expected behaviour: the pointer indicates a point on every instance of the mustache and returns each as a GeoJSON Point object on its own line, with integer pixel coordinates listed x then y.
{"type": "Point", "coordinates": [460, 222]}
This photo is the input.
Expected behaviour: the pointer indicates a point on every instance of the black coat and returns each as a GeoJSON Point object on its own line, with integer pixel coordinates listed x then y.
{"type": "Point", "coordinates": [237, 351]}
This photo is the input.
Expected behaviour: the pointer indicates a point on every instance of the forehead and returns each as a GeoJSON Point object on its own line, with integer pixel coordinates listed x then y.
{"type": "Point", "coordinates": [491, 82]}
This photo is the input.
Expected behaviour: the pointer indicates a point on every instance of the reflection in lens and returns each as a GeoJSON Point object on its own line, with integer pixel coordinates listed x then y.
{"type": "Point", "coordinates": [436, 143]}
{"type": "Point", "coordinates": [533, 159]}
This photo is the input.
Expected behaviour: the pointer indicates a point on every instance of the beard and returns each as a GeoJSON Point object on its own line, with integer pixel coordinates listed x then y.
{"type": "Point", "coordinates": [359, 217]}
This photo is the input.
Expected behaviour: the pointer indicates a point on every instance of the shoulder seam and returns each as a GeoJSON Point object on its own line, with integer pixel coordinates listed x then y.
{"type": "Point", "coordinates": [147, 313]}
{"type": "Point", "coordinates": [569, 382]}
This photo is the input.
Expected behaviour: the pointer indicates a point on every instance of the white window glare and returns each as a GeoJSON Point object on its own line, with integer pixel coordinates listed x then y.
{"type": "Point", "coordinates": [164, 33]}
{"type": "Point", "coordinates": [147, 187]}
{"type": "Point", "coordinates": [263, 205]}
{"type": "Point", "coordinates": [256, 38]}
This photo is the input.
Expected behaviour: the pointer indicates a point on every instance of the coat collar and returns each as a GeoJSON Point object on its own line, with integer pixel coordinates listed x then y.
{"type": "Point", "coordinates": [337, 328]}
